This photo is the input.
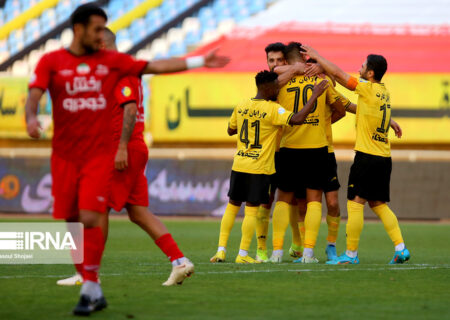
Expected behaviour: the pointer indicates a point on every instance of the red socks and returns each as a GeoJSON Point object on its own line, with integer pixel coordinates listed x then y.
{"type": "Point", "coordinates": [169, 247]}
{"type": "Point", "coordinates": [94, 244]}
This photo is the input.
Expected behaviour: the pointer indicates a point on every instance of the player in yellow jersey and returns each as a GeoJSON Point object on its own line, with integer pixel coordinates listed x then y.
{"type": "Point", "coordinates": [370, 173]}
{"type": "Point", "coordinates": [333, 114]}
{"type": "Point", "coordinates": [275, 58]}
{"type": "Point", "coordinates": [304, 147]}
{"type": "Point", "coordinates": [256, 122]}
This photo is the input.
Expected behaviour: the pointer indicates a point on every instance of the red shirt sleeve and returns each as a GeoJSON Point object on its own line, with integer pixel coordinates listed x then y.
{"type": "Point", "coordinates": [125, 92]}
{"type": "Point", "coordinates": [128, 66]}
{"type": "Point", "coordinates": [41, 76]}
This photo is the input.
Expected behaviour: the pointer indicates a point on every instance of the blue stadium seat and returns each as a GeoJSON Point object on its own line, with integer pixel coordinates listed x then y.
{"type": "Point", "coordinates": [210, 24]}
{"type": "Point", "coordinates": [177, 49]}
{"type": "Point", "coordinates": [193, 37]}
{"type": "Point", "coordinates": [160, 55]}
{"type": "Point", "coordinates": [257, 6]}
{"type": "Point", "coordinates": [122, 35]}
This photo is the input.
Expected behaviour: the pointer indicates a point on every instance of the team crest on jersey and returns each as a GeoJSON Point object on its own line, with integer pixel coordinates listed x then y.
{"type": "Point", "coordinates": [83, 68]}
{"type": "Point", "coordinates": [102, 70]}
{"type": "Point", "coordinates": [281, 110]}
{"type": "Point", "coordinates": [126, 91]}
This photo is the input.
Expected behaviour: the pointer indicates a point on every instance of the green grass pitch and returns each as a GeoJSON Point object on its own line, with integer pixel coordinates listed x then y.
{"type": "Point", "coordinates": [133, 269]}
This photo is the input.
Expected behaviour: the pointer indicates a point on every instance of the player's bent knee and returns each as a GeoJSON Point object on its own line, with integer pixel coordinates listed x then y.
{"type": "Point", "coordinates": [90, 219]}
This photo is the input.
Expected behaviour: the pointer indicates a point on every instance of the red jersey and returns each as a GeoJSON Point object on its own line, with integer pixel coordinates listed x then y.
{"type": "Point", "coordinates": [81, 89]}
{"type": "Point", "coordinates": [129, 89]}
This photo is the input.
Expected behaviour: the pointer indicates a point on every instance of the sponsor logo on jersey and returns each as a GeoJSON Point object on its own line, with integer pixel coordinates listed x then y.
{"type": "Point", "coordinates": [126, 91]}
{"type": "Point", "coordinates": [379, 138]}
{"type": "Point", "coordinates": [83, 68]}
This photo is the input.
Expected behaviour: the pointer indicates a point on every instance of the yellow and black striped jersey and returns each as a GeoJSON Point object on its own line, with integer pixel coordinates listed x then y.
{"type": "Point", "coordinates": [312, 133]}
{"type": "Point", "coordinates": [257, 122]}
{"type": "Point", "coordinates": [373, 118]}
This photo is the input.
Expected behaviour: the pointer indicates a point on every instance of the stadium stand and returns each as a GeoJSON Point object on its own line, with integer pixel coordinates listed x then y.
{"type": "Point", "coordinates": [150, 29]}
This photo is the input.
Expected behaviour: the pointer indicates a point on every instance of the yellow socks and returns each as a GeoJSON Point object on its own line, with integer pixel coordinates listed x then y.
{"type": "Point", "coordinates": [227, 223]}
{"type": "Point", "coordinates": [355, 224]}
{"type": "Point", "coordinates": [390, 223]}
{"type": "Point", "coordinates": [293, 219]}
{"type": "Point", "coordinates": [262, 227]}
{"type": "Point", "coordinates": [312, 223]}
{"type": "Point", "coordinates": [280, 221]}
{"type": "Point", "coordinates": [301, 229]}
{"type": "Point", "coordinates": [248, 227]}
{"type": "Point", "coordinates": [333, 228]}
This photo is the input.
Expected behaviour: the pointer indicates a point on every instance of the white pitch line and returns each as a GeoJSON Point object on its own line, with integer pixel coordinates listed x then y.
{"type": "Point", "coordinates": [328, 269]}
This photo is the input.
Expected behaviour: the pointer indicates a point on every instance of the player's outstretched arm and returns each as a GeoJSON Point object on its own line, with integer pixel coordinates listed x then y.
{"type": "Point", "coordinates": [210, 60]}
{"type": "Point", "coordinates": [287, 72]}
{"type": "Point", "coordinates": [330, 68]}
{"type": "Point", "coordinates": [31, 110]}
{"type": "Point", "coordinates": [351, 108]}
{"type": "Point", "coordinates": [129, 120]}
{"type": "Point", "coordinates": [299, 117]}
{"type": "Point", "coordinates": [397, 129]}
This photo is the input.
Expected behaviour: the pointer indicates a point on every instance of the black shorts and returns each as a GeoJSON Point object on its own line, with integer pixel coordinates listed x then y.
{"type": "Point", "coordinates": [370, 177]}
{"type": "Point", "coordinates": [275, 177]}
{"type": "Point", "coordinates": [301, 169]}
{"type": "Point", "coordinates": [332, 176]}
{"type": "Point", "coordinates": [248, 187]}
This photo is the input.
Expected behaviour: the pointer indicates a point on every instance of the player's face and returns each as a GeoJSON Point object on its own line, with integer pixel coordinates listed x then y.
{"type": "Point", "coordinates": [92, 34]}
{"type": "Point", "coordinates": [275, 59]}
{"type": "Point", "coordinates": [363, 73]}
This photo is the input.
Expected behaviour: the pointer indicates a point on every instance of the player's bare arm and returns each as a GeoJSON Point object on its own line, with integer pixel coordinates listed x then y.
{"type": "Point", "coordinates": [129, 120]}
{"type": "Point", "coordinates": [397, 129]}
{"type": "Point", "coordinates": [231, 132]}
{"type": "Point", "coordinates": [288, 71]}
{"type": "Point", "coordinates": [338, 111]}
{"type": "Point", "coordinates": [299, 117]}
{"type": "Point", "coordinates": [31, 109]}
{"type": "Point", "coordinates": [210, 60]}
{"type": "Point", "coordinates": [330, 68]}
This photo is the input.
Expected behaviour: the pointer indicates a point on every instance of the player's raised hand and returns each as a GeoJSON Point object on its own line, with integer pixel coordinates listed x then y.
{"type": "Point", "coordinates": [397, 129]}
{"type": "Point", "coordinates": [320, 88]}
{"type": "Point", "coordinates": [309, 51]}
{"type": "Point", "coordinates": [212, 60]}
{"type": "Point", "coordinates": [121, 159]}
{"type": "Point", "coordinates": [33, 127]}
{"type": "Point", "coordinates": [313, 69]}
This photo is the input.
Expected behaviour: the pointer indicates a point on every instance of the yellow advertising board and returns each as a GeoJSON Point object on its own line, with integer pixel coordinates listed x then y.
{"type": "Point", "coordinates": [195, 107]}
{"type": "Point", "coordinates": [13, 95]}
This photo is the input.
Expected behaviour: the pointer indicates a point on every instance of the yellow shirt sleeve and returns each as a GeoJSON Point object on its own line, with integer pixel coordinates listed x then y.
{"type": "Point", "coordinates": [280, 116]}
{"type": "Point", "coordinates": [363, 88]}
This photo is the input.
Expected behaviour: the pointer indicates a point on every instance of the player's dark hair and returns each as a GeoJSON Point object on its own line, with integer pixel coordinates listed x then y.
{"type": "Point", "coordinates": [378, 65]}
{"type": "Point", "coordinates": [264, 77]}
{"type": "Point", "coordinates": [293, 50]}
{"type": "Point", "coordinates": [110, 34]}
{"type": "Point", "coordinates": [83, 13]}
{"type": "Point", "coordinates": [275, 47]}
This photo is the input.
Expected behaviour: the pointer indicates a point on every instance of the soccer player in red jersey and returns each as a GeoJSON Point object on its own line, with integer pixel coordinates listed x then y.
{"type": "Point", "coordinates": [81, 81]}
